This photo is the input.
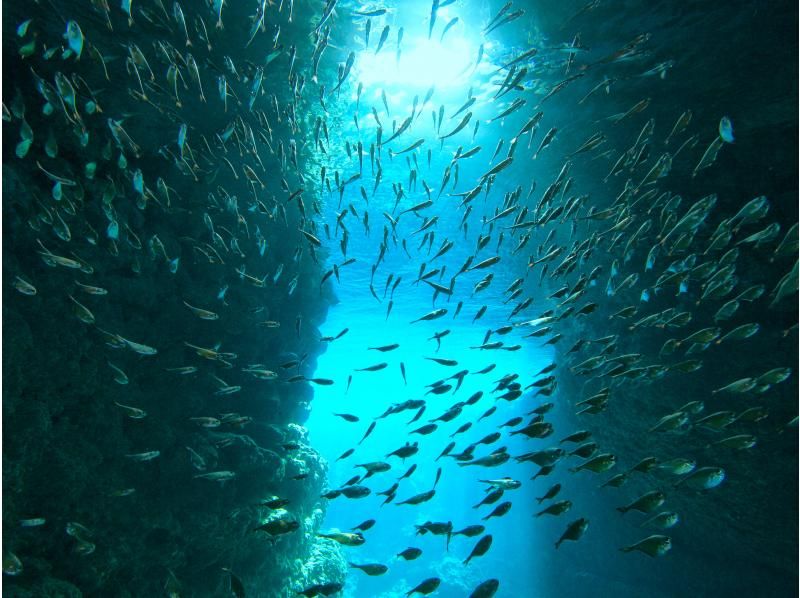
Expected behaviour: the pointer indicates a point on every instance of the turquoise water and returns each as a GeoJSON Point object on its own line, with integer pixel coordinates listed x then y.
{"type": "Point", "coordinates": [370, 395]}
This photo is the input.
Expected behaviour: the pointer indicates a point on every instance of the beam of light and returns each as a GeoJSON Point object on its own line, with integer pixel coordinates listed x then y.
{"type": "Point", "coordinates": [422, 63]}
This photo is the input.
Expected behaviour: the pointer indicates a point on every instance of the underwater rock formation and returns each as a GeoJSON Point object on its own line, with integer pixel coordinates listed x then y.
{"type": "Point", "coordinates": [151, 391]}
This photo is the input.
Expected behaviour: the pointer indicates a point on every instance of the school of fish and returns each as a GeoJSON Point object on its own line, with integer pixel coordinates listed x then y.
{"type": "Point", "coordinates": [253, 186]}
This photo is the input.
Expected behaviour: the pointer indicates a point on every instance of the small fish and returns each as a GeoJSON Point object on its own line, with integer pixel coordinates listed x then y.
{"type": "Point", "coordinates": [410, 554]}
{"type": "Point", "coordinates": [433, 315]}
{"type": "Point", "coordinates": [704, 478]}
{"type": "Point", "coordinates": [481, 548]}
{"type": "Point", "coordinates": [344, 538]}
{"type": "Point", "coordinates": [33, 522]}
{"type": "Point", "coordinates": [574, 531]}
{"type": "Point", "coordinates": [347, 417]}
{"type": "Point", "coordinates": [12, 566]}
{"type": "Point", "coordinates": [373, 368]}
{"type": "Point", "coordinates": [431, 584]}
{"type": "Point", "coordinates": [74, 37]}
{"type": "Point", "coordinates": [203, 314]}
{"type": "Point", "coordinates": [119, 375]}
{"type": "Point", "coordinates": [385, 348]}
{"type": "Point", "coordinates": [82, 312]}
{"type": "Point", "coordinates": [132, 412]}
{"type": "Point", "coordinates": [371, 569]}
{"type": "Point", "coordinates": [368, 432]}
{"type": "Point", "coordinates": [216, 476]}
{"type": "Point", "coordinates": [447, 27]}
{"type": "Point", "coordinates": [552, 492]}
{"type": "Point", "coordinates": [382, 40]}
{"type": "Point", "coordinates": [23, 286]}
{"type": "Point", "coordinates": [145, 456]}
{"type": "Point", "coordinates": [653, 546]}
{"type": "Point", "coordinates": [726, 129]}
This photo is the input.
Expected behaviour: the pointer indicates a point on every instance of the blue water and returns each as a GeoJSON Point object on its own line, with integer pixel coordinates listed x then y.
{"type": "Point", "coordinates": [370, 394]}
{"type": "Point", "coordinates": [522, 554]}
{"type": "Point", "coordinates": [517, 536]}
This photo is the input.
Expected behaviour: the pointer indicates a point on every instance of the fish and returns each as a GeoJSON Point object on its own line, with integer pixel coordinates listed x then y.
{"type": "Point", "coordinates": [551, 492]}
{"type": "Point", "coordinates": [203, 314]}
{"type": "Point", "coordinates": [348, 417]}
{"type": "Point", "coordinates": [498, 511]}
{"type": "Point", "coordinates": [418, 498]}
{"type": "Point", "coordinates": [647, 503]}
{"type": "Point", "coordinates": [132, 412]}
{"type": "Point", "coordinates": [432, 315]}
{"type": "Point", "coordinates": [574, 531]}
{"type": "Point", "coordinates": [344, 538]}
{"type": "Point", "coordinates": [450, 24]}
{"type": "Point", "coordinates": [385, 348]}
{"type": "Point", "coordinates": [556, 508]}
{"type": "Point", "coordinates": [371, 569]}
{"type": "Point", "coordinates": [480, 549]}
{"type": "Point", "coordinates": [277, 527]}
{"type": "Point", "coordinates": [410, 554]}
{"type": "Point", "coordinates": [373, 368]}
{"type": "Point", "coordinates": [471, 531]}
{"type": "Point", "coordinates": [703, 478]}
{"type": "Point", "coordinates": [653, 546]}
{"type": "Point", "coordinates": [370, 428]}
{"type": "Point", "coordinates": [365, 525]}
{"type": "Point", "coordinates": [82, 312]}
{"type": "Point", "coordinates": [491, 498]}
{"type": "Point", "coordinates": [384, 36]}
{"type": "Point", "coordinates": [322, 589]}
{"type": "Point", "coordinates": [74, 37]}
{"type": "Point", "coordinates": [405, 451]}
{"type": "Point", "coordinates": [144, 456]}
{"type": "Point", "coordinates": [486, 589]}
{"type": "Point", "coordinates": [12, 565]}
{"type": "Point", "coordinates": [664, 520]}
{"type": "Point", "coordinates": [726, 129]}
{"type": "Point", "coordinates": [32, 522]}
{"type": "Point", "coordinates": [597, 464]}
{"type": "Point", "coordinates": [23, 286]}
{"type": "Point", "coordinates": [430, 585]}
{"type": "Point", "coordinates": [346, 454]}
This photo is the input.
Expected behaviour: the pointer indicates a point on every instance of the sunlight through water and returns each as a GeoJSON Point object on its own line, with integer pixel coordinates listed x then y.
{"type": "Point", "coordinates": [424, 63]}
